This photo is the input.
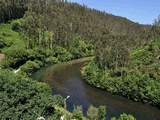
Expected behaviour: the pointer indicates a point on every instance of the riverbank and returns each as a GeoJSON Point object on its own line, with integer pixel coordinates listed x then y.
{"type": "Point", "coordinates": [137, 82]}
{"type": "Point", "coordinates": [23, 97]}
{"type": "Point", "coordinates": [66, 79]}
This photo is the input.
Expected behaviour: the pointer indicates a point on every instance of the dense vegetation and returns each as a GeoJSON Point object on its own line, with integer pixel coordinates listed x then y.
{"type": "Point", "coordinates": [12, 9]}
{"type": "Point", "coordinates": [137, 77]}
{"type": "Point", "coordinates": [24, 98]}
{"type": "Point", "coordinates": [63, 20]}
{"type": "Point", "coordinates": [52, 31]}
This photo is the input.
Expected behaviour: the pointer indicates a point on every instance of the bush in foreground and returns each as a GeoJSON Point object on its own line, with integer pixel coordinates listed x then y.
{"type": "Point", "coordinates": [22, 98]}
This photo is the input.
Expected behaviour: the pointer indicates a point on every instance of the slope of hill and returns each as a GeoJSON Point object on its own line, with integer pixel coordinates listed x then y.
{"type": "Point", "coordinates": [66, 19]}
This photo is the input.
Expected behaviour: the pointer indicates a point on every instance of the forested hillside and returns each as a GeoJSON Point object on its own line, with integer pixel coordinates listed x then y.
{"type": "Point", "coordinates": [65, 19]}
{"type": "Point", "coordinates": [38, 33]}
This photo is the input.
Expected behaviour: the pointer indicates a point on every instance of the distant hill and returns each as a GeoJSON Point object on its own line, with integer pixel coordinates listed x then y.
{"type": "Point", "coordinates": [65, 19]}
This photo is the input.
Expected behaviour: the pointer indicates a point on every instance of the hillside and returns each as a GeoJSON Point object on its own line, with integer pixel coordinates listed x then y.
{"type": "Point", "coordinates": [65, 19]}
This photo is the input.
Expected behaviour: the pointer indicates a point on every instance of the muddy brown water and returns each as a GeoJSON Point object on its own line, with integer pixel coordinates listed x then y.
{"type": "Point", "coordinates": [65, 79]}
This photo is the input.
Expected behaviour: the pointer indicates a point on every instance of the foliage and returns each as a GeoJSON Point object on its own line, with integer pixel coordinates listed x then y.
{"type": "Point", "coordinates": [51, 60]}
{"type": "Point", "coordinates": [12, 9]}
{"type": "Point", "coordinates": [77, 113]}
{"type": "Point", "coordinates": [140, 80]}
{"type": "Point", "coordinates": [62, 54]}
{"type": "Point", "coordinates": [147, 59]}
{"type": "Point", "coordinates": [9, 37]}
{"type": "Point", "coordinates": [112, 54]}
{"type": "Point", "coordinates": [35, 32]}
{"type": "Point", "coordinates": [24, 98]}
{"type": "Point", "coordinates": [65, 26]}
{"type": "Point", "coordinates": [13, 46]}
{"type": "Point", "coordinates": [124, 117]}
{"type": "Point", "coordinates": [15, 57]}
{"type": "Point", "coordinates": [79, 48]}
{"type": "Point", "coordinates": [42, 29]}
{"type": "Point", "coordinates": [2, 43]}
{"type": "Point", "coordinates": [30, 66]}
{"type": "Point", "coordinates": [16, 25]}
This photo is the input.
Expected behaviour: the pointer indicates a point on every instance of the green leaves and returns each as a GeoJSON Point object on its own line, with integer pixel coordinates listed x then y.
{"type": "Point", "coordinates": [134, 85]}
{"type": "Point", "coordinates": [77, 113]}
{"type": "Point", "coordinates": [24, 98]}
{"type": "Point", "coordinates": [80, 48]}
{"type": "Point", "coordinates": [124, 117]}
{"type": "Point", "coordinates": [31, 66]}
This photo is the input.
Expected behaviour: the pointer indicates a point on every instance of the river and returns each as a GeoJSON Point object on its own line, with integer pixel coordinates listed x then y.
{"type": "Point", "coordinates": [65, 79]}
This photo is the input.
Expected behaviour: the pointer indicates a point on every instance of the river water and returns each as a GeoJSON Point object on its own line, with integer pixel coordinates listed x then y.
{"type": "Point", "coordinates": [65, 79]}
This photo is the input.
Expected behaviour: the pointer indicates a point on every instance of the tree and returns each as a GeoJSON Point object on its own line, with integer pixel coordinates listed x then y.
{"type": "Point", "coordinates": [113, 54]}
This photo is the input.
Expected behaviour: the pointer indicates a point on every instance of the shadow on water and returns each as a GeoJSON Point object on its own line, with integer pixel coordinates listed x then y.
{"type": "Point", "coordinates": [65, 79]}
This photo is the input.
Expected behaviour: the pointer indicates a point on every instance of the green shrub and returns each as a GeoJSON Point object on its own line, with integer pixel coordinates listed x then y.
{"type": "Point", "coordinates": [77, 113]}
{"type": "Point", "coordinates": [31, 66]}
{"type": "Point", "coordinates": [134, 85]}
{"type": "Point", "coordinates": [39, 54]}
{"type": "Point", "coordinates": [57, 52]}
{"type": "Point", "coordinates": [124, 117]}
{"type": "Point", "coordinates": [61, 53]}
{"type": "Point", "coordinates": [2, 43]}
{"type": "Point", "coordinates": [51, 60]}
{"type": "Point", "coordinates": [79, 48]}
{"type": "Point", "coordinates": [16, 25]}
{"type": "Point", "coordinates": [15, 57]}
{"type": "Point", "coordinates": [22, 98]}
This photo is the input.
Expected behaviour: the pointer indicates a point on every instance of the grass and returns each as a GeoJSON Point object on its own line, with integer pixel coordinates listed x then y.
{"type": "Point", "coordinates": [11, 38]}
